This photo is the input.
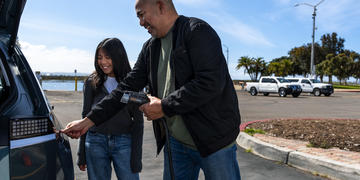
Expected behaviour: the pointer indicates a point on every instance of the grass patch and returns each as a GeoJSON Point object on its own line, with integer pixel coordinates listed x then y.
{"type": "Point", "coordinates": [346, 87]}
{"type": "Point", "coordinates": [252, 131]}
{"type": "Point", "coordinates": [248, 150]}
{"type": "Point", "coordinates": [320, 175]}
{"type": "Point", "coordinates": [310, 145]}
{"type": "Point", "coordinates": [323, 145]}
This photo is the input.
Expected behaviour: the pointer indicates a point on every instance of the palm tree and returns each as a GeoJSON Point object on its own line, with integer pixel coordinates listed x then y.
{"type": "Point", "coordinates": [259, 65]}
{"type": "Point", "coordinates": [253, 66]}
{"type": "Point", "coordinates": [246, 63]}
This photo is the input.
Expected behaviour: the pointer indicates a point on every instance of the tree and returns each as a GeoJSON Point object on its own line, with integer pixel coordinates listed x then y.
{"type": "Point", "coordinates": [326, 68]}
{"type": "Point", "coordinates": [356, 63]}
{"type": "Point", "coordinates": [281, 68]}
{"type": "Point", "coordinates": [343, 66]}
{"type": "Point", "coordinates": [331, 44]}
{"type": "Point", "coordinates": [245, 62]}
{"type": "Point", "coordinates": [356, 71]}
{"type": "Point", "coordinates": [252, 66]}
{"type": "Point", "coordinates": [259, 66]}
{"type": "Point", "coordinates": [321, 70]}
{"type": "Point", "coordinates": [300, 56]}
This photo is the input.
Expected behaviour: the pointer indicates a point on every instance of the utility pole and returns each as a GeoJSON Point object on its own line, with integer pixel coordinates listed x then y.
{"type": "Point", "coordinates": [75, 71]}
{"type": "Point", "coordinates": [312, 66]}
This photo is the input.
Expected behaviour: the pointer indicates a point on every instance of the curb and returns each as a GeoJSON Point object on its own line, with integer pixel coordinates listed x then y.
{"type": "Point", "coordinates": [330, 168]}
{"type": "Point", "coordinates": [263, 149]}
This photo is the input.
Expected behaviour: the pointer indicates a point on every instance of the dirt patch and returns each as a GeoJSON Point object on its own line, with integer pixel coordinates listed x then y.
{"type": "Point", "coordinates": [343, 134]}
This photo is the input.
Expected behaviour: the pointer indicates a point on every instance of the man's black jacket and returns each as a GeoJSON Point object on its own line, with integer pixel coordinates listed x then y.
{"type": "Point", "coordinates": [204, 97]}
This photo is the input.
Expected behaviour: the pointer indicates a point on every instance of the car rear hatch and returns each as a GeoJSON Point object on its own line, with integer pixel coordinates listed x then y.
{"type": "Point", "coordinates": [10, 14]}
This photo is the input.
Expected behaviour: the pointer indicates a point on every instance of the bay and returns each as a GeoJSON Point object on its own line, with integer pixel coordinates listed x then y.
{"type": "Point", "coordinates": [62, 85]}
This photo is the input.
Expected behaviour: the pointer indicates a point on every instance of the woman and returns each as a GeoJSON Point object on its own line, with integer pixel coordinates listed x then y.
{"type": "Point", "coordinates": [118, 140]}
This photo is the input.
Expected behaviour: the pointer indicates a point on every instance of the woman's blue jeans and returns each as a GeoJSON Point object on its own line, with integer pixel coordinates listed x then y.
{"type": "Point", "coordinates": [103, 149]}
{"type": "Point", "coordinates": [221, 165]}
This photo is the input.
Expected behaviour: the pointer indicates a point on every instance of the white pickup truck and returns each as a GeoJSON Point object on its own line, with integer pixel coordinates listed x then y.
{"type": "Point", "coordinates": [278, 85]}
{"type": "Point", "coordinates": [313, 86]}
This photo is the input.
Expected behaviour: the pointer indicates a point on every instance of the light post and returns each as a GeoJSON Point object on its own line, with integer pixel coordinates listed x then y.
{"type": "Point", "coordinates": [312, 66]}
{"type": "Point", "coordinates": [227, 53]}
{"type": "Point", "coordinates": [75, 71]}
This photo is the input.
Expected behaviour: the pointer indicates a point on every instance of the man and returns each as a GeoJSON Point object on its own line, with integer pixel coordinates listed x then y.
{"type": "Point", "coordinates": [191, 88]}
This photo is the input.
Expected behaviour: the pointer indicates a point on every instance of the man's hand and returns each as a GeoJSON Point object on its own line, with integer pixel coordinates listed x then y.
{"type": "Point", "coordinates": [153, 109]}
{"type": "Point", "coordinates": [77, 128]}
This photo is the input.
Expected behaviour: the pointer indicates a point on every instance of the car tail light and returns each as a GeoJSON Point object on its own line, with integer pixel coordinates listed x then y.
{"type": "Point", "coordinates": [24, 128]}
{"type": "Point", "coordinates": [26, 159]}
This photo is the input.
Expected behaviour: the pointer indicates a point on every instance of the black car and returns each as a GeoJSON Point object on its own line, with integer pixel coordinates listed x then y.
{"type": "Point", "coordinates": [30, 148]}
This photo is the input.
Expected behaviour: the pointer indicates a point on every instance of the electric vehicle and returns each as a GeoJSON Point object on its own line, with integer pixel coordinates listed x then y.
{"type": "Point", "coordinates": [30, 147]}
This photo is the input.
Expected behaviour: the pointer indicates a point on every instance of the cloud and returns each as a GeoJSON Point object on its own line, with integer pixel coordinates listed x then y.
{"type": "Point", "coordinates": [333, 15]}
{"type": "Point", "coordinates": [190, 1]}
{"type": "Point", "coordinates": [212, 3]}
{"type": "Point", "coordinates": [61, 28]}
{"type": "Point", "coordinates": [282, 2]}
{"type": "Point", "coordinates": [58, 28]}
{"type": "Point", "coordinates": [239, 30]}
{"type": "Point", "coordinates": [58, 59]}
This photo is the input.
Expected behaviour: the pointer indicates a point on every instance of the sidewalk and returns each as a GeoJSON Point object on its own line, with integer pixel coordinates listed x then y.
{"type": "Point", "coordinates": [346, 90]}
{"type": "Point", "coordinates": [333, 163]}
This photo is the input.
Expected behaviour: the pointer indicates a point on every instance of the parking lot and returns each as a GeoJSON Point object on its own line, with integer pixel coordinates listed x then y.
{"type": "Point", "coordinates": [338, 105]}
{"type": "Point", "coordinates": [68, 107]}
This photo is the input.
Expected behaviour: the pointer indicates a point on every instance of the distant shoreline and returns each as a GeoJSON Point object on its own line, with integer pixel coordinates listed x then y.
{"type": "Point", "coordinates": [63, 77]}
{"type": "Point", "coordinates": [66, 77]}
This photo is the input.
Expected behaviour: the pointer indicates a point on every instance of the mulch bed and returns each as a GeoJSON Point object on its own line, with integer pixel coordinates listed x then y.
{"type": "Point", "coordinates": [324, 133]}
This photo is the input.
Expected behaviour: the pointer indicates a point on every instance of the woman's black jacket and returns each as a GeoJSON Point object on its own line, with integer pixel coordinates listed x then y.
{"type": "Point", "coordinates": [128, 120]}
{"type": "Point", "coordinates": [204, 97]}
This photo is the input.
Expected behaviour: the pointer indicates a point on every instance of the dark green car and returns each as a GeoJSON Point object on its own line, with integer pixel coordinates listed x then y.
{"type": "Point", "coordinates": [30, 148]}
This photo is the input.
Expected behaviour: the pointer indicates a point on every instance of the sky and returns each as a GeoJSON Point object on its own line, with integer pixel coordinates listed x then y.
{"type": "Point", "coordinates": [61, 36]}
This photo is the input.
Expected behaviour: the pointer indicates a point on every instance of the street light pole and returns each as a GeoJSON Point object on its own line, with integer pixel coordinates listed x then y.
{"type": "Point", "coordinates": [312, 66]}
{"type": "Point", "coordinates": [75, 71]}
{"type": "Point", "coordinates": [227, 53]}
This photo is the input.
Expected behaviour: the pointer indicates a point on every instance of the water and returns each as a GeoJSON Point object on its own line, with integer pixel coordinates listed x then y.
{"type": "Point", "coordinates": [62, 85]}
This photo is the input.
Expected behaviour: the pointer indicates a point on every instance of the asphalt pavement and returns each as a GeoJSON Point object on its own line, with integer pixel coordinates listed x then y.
{"type": "Point", "coordinates": [68, 105]}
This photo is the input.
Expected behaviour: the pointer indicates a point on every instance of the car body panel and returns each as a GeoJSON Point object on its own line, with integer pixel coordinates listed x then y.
{"type": "Point", "coordinates": [4, 163]}
{"type": "Point", "coordinates": [49, 154]}
{"type": "Point", "coordinates": [10, 14]}
{"type": "Point", "coordinates": [35, 156]}
{"type": "Point", "coordinates": [306, 85]}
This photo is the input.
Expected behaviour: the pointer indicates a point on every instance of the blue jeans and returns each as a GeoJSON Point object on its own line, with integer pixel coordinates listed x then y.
{"type": "Point", "coordinates": [221, 165]}
{"type": "Point", "coordinates": [103, 149]}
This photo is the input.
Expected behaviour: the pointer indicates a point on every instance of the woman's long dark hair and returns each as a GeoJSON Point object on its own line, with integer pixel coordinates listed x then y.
{"type": "Point", "coordinates": [113, 48]}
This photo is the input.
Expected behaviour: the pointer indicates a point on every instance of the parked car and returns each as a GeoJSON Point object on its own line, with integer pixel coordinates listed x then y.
{"type": "Point", "coordinates": [30, 148]}
{"type": "Point", "coordinates": [278, 85]}
{"type": "Point", "coordinates": [313, 86]}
